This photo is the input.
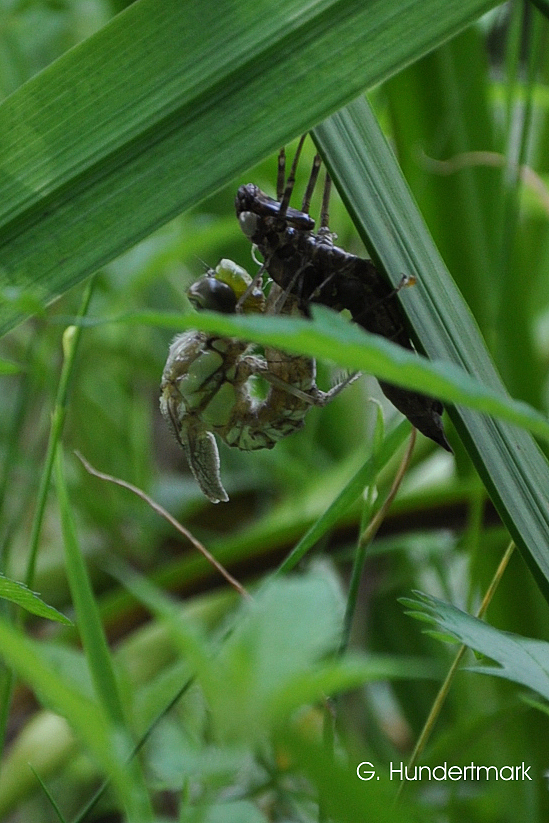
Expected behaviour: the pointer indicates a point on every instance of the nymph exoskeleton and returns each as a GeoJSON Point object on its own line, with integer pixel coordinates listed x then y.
{"type": "Point", "coordinates": [207, 383]}
{"type": "Point", "coordinates": [310, 266]}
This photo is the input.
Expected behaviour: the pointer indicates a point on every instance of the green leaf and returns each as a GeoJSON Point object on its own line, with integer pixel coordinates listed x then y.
{"type": "Point", "coordinates": [18, 593]}
{"type": "Point", "coordinates": [169, 102]}
{"type": "Point", "coordinates": [331, 337]}
{"type": "Point", "coordinates": [6, 367]}
{"type": "Point", "coordinates": [278, 655]}
{"type": "Point", "coordinates": [511, 465]}
{"type": "Point", "coordinates": [89, 622]}
{"type": "Point", "coordinates": [519, 659]}
{"type": "Point", "coordinates": [344, 674]}
{"type": "Point", "coordinates": [108, 745]}
{"type": "Point", "coordinates": [233, 811]}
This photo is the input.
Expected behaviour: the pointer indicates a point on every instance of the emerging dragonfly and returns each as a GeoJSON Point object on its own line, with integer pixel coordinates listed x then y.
{"type": "Point", "coordinates": [310, 266]}
{"type": "Point", "coordinates": [207, 383]}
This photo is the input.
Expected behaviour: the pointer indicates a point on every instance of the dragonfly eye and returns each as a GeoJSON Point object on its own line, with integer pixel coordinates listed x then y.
{"type": "Point", "coordinates": [248, 223]}
{"type": "Point", "coordinates": [212, 294]}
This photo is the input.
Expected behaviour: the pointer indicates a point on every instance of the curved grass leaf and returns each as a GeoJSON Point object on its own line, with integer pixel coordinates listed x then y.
{"type": "Point", "coordinates": [169, 102]}
{"type": "Point", "coordinates": [511, 465]}
{"type": "Point", "coordinates": [330, 337]}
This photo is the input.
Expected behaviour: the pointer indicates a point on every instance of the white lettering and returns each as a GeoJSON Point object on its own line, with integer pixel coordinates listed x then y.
{"type": "Point", "coordinates": [443, 769]}
{"type": "Point", "coordinates": [487, 769]}
{"type": "Point", "coordinates": [443, 772]}
{"type": "Point", "coordinates": [365, 770]}
{"type": "Point", "coordinates": [465, 770]}
{"type": "Point", "coordinates": [399, 771]}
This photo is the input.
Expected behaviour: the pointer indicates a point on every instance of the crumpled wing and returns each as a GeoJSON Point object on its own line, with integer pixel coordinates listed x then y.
{"type": "Point", "coordinates": [203, 457]}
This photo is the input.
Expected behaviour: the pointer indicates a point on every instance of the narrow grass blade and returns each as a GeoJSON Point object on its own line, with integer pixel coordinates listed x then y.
{"type": "Point", "coordinates": [89, 623]}
{"type": "Point", "coordinates": [86, 718]}
{"type": "Point", "coordinates": [365, 475]}
{"type": "Point", "coordinates": [330, 337]}
{"type": "Point", "coordinates": [513, 468]}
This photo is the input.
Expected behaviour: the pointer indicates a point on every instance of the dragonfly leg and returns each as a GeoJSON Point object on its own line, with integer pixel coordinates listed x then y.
{"type": "Point", "coordinates": [324, 211]}
{"type": "Point", "coordinates": [317, 162]}
{"type": "Point", "coordinates": [257, 281]}
{"type": "Point", "coordinates": [290, 182]}
{"type": "Point", "coordinates": [325, 397]}
{"type": "Point", "coordinates": [281, 174]}
{"type": "Point", "coordinates": [313, 396]}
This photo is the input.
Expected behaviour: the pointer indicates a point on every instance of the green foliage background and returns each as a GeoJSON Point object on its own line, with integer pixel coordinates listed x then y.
{"type": "Point", "coordinates": [157, 114]}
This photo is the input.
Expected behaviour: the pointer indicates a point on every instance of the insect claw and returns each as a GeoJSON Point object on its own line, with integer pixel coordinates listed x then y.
{"type": "Point", "coordinates": [405, 281]}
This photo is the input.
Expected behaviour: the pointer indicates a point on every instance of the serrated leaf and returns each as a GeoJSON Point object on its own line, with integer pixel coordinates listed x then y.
{"type": "Point", "coordinates": [21, 595]}
{"type": "Point", "coordinates": [519, 659]}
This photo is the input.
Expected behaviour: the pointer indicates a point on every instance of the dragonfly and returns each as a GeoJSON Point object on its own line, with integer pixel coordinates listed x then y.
{"type": "Point", "coordinates": [207, 386]}
{"type": "Point", "coordinates": [310, 266]}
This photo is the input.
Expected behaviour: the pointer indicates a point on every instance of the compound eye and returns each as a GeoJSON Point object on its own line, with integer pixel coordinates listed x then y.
{"type": "Point", "coordinates": [248, 223]}
{"type": "Point", "coordinates": [212, 294]}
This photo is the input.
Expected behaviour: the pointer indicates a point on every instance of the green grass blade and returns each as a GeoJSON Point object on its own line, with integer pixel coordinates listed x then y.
{"type": "Point", "coordinates": [71, 339]}
{"type": "Point", "coordinates": [93, 637]}
{"type": "Point", "coordinates": [89, 623]}
{"type": "Point", "coordinates": [508, 460]}
{"type": "Point", "coordinates": [330, 337]}
{"type": "Point", "coordinates": [9, 368]}
{"type": "Point", "coordinates": [166, 104]}
{"type": "Point", "coordinates": [86, 718]}
{"type": "Point", "coordinates": [365, 476]}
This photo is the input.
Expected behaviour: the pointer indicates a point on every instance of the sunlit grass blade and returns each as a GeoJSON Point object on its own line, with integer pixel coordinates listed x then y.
{"type": "Point", "coordinates": [9, 368]}
{"type": "Point", "coordinates": [166, 104]}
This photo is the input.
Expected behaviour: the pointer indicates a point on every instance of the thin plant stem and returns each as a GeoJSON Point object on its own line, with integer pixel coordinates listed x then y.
{"type": "Point", "coordinates": [92, 802]}
{"type": "Point", "coordinates": [167, 516]}
{"type": "Point", "coordinates": [445, 688]}
{"type": "Point", "coordinates": [71, 338]}
{"type": "Point", "coordinates": [365, 540]}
